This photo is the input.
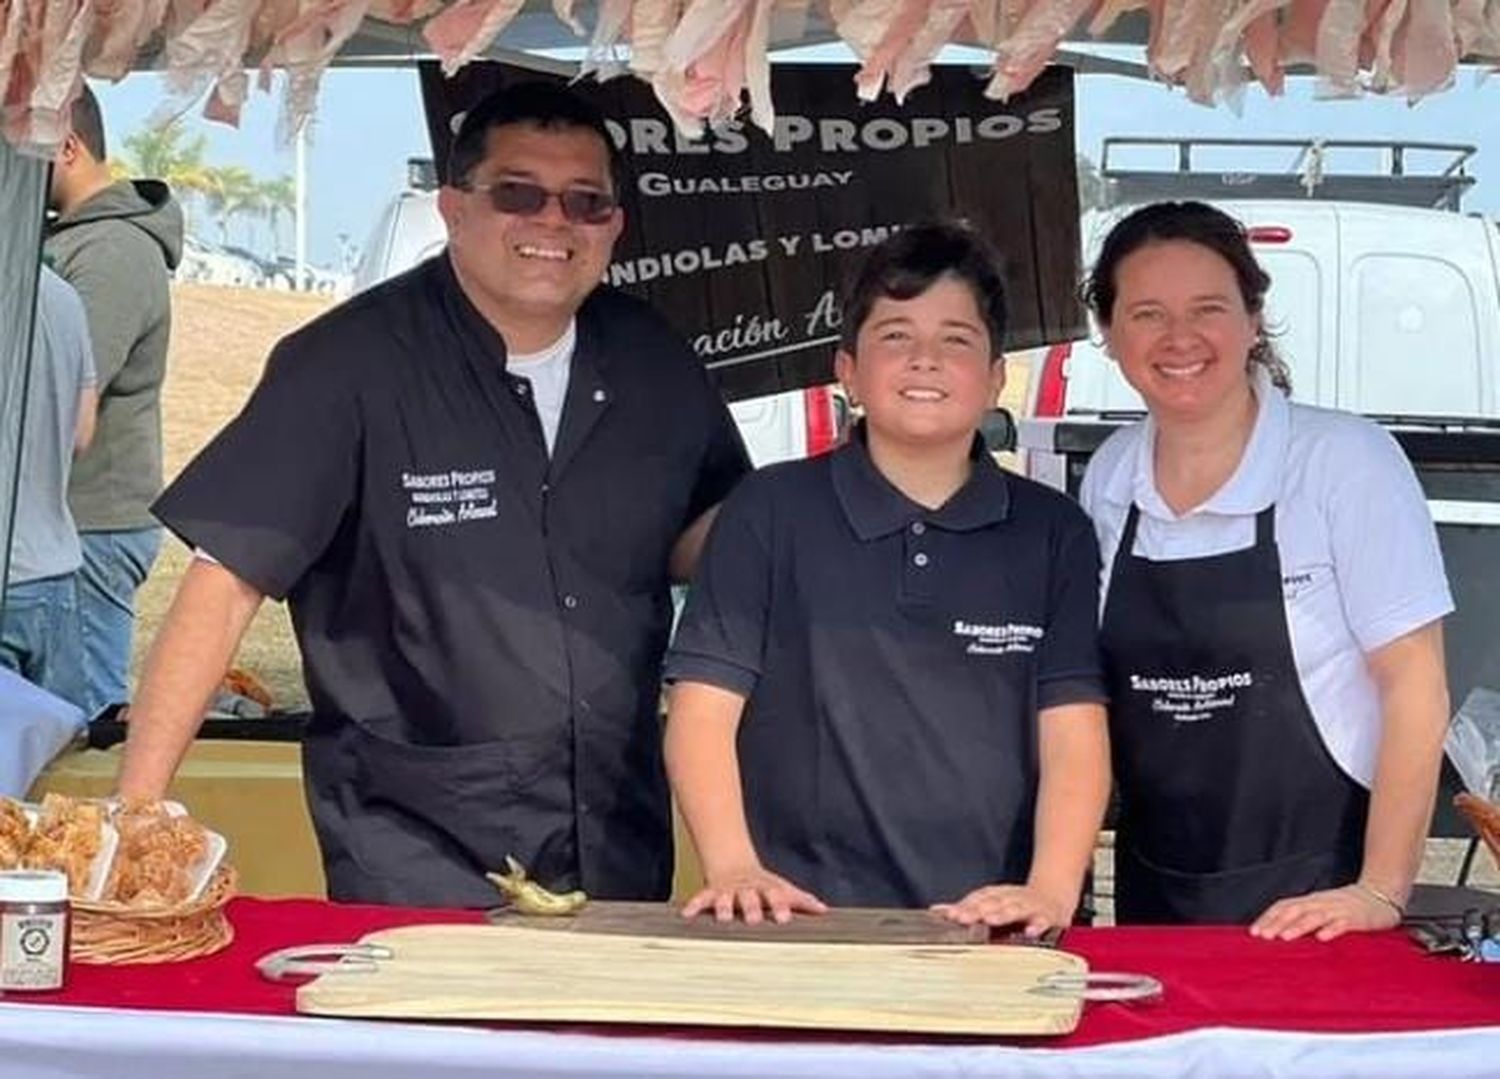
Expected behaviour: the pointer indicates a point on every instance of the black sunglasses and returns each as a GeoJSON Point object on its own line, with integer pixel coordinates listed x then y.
{"type": "Point", "coordinates": [580, 205]}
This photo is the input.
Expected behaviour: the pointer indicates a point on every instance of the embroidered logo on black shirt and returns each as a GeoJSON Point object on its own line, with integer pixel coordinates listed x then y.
{"type": "Point", "coordinates": [998, 640]}
{"type": "Point", "coordinates": [448, 498]}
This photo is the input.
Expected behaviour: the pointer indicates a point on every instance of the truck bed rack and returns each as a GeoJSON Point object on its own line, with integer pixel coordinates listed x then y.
{"type": "Point", "coordinates": [1425, 174]}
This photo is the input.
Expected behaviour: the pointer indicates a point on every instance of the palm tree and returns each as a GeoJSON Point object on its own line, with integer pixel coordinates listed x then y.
{"type": "Point", "coordinates": [278, 196]}
{"type": "Point", "coordinates": [231, 190]}
{"type": "Point", "coordinates": [164, 152]}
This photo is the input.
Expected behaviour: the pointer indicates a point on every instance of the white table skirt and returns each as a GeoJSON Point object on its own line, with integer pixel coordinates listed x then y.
{"type": "Point", "coordinates": [94, 1043]}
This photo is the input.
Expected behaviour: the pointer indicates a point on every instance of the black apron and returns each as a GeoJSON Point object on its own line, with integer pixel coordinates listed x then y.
{"type": "Point", "coordinates": [1229, 799]}
{"type": "Point", "coordinates": [420, 825]}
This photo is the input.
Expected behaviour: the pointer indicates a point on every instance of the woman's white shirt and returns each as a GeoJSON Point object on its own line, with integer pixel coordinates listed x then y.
{"type": "Point", "coordinates": [1359, 553]}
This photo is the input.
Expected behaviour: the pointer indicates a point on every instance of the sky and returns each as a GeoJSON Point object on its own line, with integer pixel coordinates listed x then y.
{"type": "Point", "coordinates": [367, 124]}
{"type": "Point", "coordinates": [369, 121]}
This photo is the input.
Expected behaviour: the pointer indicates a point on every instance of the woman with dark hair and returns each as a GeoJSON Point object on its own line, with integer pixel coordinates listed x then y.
{"type": "Point", "coordinates": [1272, 615]}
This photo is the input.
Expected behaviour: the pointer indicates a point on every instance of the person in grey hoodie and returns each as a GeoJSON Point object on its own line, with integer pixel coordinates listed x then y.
{"type": "Point", "coordinates": [116, 243]}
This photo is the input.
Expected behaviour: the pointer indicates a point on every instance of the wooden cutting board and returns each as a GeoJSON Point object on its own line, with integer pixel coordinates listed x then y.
{"type": "Point", "coordinates": [502, 972]}
{"type": "Point", "coordinates": [842, 925]}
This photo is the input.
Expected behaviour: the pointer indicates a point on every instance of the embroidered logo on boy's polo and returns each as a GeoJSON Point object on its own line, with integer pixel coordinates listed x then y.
{"type": "Point", "coordinates": [435, 499]}
{"type": "Point", "coordinates": [998, 640]}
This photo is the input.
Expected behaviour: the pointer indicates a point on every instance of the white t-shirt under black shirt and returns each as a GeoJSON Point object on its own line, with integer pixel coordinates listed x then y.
{"type": "Point", "coordinates": [1359, 554]}
{"type": "Point", "coordinates": [547, 371]}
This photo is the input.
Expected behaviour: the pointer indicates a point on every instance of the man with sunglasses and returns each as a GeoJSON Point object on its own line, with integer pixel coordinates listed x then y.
{"type": "Point", "coordinates": [473, 484]}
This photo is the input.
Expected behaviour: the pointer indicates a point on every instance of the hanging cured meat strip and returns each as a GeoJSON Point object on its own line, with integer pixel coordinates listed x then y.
{"type": "Point", "coordinates": [1299, 31]}
{"type": "Point", "coordinates": [1261, 53]}
{"type": "Point", "coordinates": [465, 29]}
{"type": "Point", "coordinates": [1021, 57]}
{"type": "Point", "coordinates": [891, 37]}
{"type": "Point", "coordinates": [1337, 55]}
{"type": "Point", "coordinates": [1431, 53]}
{"type": "Point", "coordinates": [913, 65]}
{"type": "Point", "coordinates": [46, 72]}
{"type": "Point", "coordinates": [609, 29]}
{"type": "Point", "coordinates": [305, 47]}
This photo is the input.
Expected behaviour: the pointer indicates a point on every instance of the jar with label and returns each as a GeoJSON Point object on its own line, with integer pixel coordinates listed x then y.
{"type": "Point", "coordinates": [33, 930]}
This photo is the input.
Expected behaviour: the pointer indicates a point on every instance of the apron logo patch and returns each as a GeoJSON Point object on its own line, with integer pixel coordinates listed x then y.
{"type": "Point", "coordinates": [986, 640]}
{"type": "Point", "coordinates": [435, 499]}
{"type": "Point", "coordinates": [1194, 698]}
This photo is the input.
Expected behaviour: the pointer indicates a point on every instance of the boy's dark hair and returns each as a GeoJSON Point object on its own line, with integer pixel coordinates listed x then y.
{"type": "Point", "coordinates": [546, 105]}
{"type": "Point", "coordinates": [88, 123]}
{"type": "Point", "coordinates": [906, 265]}
{"type": "Point", "coordinates": [1196, 223]}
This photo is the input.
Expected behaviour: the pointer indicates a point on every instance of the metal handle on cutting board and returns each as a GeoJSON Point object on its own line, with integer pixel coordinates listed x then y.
{"type": "Point", "coordinates": [321, 959]}
{"type": "Point", "coordinates": [1098, 986]}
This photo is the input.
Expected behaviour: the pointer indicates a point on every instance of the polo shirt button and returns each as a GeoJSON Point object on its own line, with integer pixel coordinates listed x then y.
{"type": "Point", "coordinates": [584, 708]}
{"type": "Point", "coordinates": [520, 388]}
{"type": "Point", "coordinates": [919, 559]}
{"type": "Point", "coordinates": [570, 601]}
{"type": "Point", "coordinates": [917, 528]}
{"type": "Point", "coordinates": [584, 809]}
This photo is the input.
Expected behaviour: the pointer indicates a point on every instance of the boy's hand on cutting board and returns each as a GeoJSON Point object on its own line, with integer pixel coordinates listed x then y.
{"type": "Point", "coordinates": [1008, 904]}
{"type": "Point", "coordinates": [753, 892]}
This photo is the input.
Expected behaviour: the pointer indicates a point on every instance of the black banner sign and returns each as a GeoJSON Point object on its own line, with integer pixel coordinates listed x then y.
{"type": "Point", "coordinates": [744, 240]}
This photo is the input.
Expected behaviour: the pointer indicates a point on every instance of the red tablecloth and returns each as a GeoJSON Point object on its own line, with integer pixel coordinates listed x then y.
{"type": "Point", "coordinates": [1213, 977]}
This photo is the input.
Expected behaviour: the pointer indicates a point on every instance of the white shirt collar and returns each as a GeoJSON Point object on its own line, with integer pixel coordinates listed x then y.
{"type": "Point", "coordinates": [1255, 483]}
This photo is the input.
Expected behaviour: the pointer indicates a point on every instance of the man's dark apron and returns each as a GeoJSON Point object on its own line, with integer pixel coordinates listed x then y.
{"type": "Point", "coordinates": [1229, 799]}
{"type": "Point", "coordinates": [419, 825]}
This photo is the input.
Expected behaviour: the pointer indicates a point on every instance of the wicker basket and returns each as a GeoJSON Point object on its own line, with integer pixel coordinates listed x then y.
{"type": "Point", "coordinates": [1485, 817]}
{"type": "Point", "coordinates": [113, 933]}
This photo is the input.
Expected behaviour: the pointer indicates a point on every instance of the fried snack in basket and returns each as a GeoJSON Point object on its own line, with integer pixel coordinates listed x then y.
{"type": "Point", "coordinates": [157, 855]}
{"type": "Point", "coordinates": [67, 836]}
{"type": "Point", "coordinates": [1484, 815]}
{"type": "Point", "coordinates": [15, 831]}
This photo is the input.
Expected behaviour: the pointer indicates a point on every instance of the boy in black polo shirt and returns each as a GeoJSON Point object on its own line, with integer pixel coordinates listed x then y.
{"type": "Point", "coordinates": [887, 688]}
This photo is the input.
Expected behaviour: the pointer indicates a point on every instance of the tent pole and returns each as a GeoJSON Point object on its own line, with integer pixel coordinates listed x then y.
{"type": "Point", "coordinates": [299, 210]}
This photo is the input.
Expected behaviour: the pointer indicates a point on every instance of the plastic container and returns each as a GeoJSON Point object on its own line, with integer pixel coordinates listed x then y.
{"type": "Point", "coordinates": [201, 871]}
{"type": "Point", "coordinates": [103, 860]}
